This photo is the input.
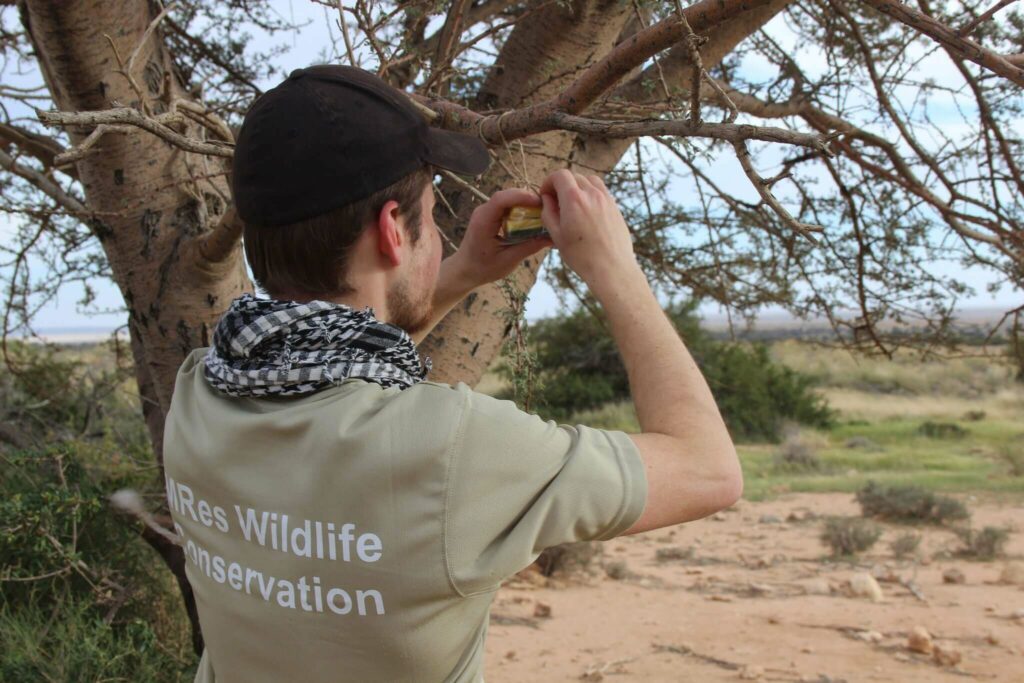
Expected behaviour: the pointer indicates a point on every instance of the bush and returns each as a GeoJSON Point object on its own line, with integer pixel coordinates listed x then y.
{"type": "Point", "coordinates": [941, 430]}
{"type": "Point", "coordinates": [797, 453]}
{"type": "Point", "coordinates": [905, 544]}
{"type": "Point", "coordinates": [1012, 454]}
{"type": "Point", "coordinates": [986, 544]}
{"type": "Point", "coordinates": [909, 504]}
{"type": "Point", "coordinates": [674, 554]}
{"type": "Point", "coordinates": [849, 535]}
{"type": "Point", "coordinates": [76, 644]}
{"type": "Point", "coordinates": [70, 560]}
{"type": "Point", "coordinates": [579, 368]}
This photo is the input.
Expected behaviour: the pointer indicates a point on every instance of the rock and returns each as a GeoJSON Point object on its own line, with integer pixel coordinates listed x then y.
{"type": "Point", "coordinates": [1013, 574]}
{"type": "Point", "coordinates": [1018, 614]}
{"type": "Point", "coordinates": [946, 656]}
{"type": "Point", "coordinates": [818, 586]}
{"type": "Point", "coordinates": [920, 640]}
{"type": "Point", "coordinates": [863, 585]}
{"type": "Point", "coordinates": [542, 610]}
{"type": "Point", "coordinates": [752, 673]}
{"type": "Point", "coordinates": [770, 519]}
{"type": "Point", "coordinates": [869, 636]}
{"type": "Point", "coordinates": [616, 570]}
{"type": "Point", "coordinates": [884, 574]}
{"type": "Point", "coordinates": [718, 517]}
{"type": "Point", "coordinates": [953, 575]}
{"type": "Point", "coordinates": [719, 598]}
{"type": "Point", "coordinates": [510, 655]}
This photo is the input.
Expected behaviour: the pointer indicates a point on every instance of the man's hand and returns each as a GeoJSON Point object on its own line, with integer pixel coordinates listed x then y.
{"type": "Point", "coordinates": [482, 257]}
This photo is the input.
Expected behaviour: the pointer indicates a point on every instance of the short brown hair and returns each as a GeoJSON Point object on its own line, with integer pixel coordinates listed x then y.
{"type": "Point", "coordinates": [310, 257]}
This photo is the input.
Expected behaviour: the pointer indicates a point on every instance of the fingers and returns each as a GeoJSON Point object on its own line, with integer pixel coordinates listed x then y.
{"type": "Point", "coordinates": [490, 212]}
{"type": "Point", "coordinates": [560, 182]}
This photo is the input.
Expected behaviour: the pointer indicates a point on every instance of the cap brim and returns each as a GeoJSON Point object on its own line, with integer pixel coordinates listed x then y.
{"type": "Point", "coordinates": [456, 152]}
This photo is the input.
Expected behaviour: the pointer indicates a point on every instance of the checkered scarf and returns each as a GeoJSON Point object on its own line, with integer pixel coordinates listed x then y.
{"type": "Point", "coordinates": [265, 347]}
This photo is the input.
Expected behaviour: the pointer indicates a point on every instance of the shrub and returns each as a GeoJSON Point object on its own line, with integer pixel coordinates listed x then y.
{"type": "Point", "coordinates": [77, 644]}
{"type": "Point", "coordinates": [579, 368]}
{"type": "Point", "coordinates": [568, 558]}
{"type": "Point", "coordinates": [905, 544]}
{"type": "Point", "coordinates": [849, 535]}
{"type": "Point", "coordinates": [941, 430]}
{"type": "Point", "coordinates": [73, 562]}
{"type": "Point", "coordinates": [674, 554]}
{"type": "Point", "coordinates": [1013, 455]}
{"type": "Point", "coordinates": [986, 544]}
{"type": "Point", "coordinates": [797, 453]}
{"type": "Point", "coordinates": [908, 504]}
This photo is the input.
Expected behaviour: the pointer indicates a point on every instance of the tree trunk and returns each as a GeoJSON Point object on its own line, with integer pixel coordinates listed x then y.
{"type": "Point", "coordinates": [542, 55]}
{"type": "Point", "coordinates": [150, 208]}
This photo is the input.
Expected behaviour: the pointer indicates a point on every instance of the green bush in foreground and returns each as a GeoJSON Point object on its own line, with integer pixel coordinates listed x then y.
{"type": "Point", "coordinates": [579, 369]}
{"type": "Point", "coordinates": [84, 598]}
{"type": "Point", "coordinates": [912, 504]}
{"type": "Point", "coordinates": [849, 535]}
{"type": "Point", "coordinates": [76, 644]}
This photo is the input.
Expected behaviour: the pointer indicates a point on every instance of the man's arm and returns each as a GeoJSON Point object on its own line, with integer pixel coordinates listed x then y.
{"type": "Point", "coordinates": [690, 461]}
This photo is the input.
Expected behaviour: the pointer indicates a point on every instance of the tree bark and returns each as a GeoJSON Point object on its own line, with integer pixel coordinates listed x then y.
{"type": "Point", "coordinates": [541, 57]}
{"type": "Point", "coordinates": [150, 206]}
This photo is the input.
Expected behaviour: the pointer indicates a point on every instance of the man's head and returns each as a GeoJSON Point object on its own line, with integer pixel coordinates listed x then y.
{"type": "Point", "coordinates": [331, 177]}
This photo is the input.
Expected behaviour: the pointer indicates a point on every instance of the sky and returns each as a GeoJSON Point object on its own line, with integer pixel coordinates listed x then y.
{"type": "Point", "coordinates": [308, 47]}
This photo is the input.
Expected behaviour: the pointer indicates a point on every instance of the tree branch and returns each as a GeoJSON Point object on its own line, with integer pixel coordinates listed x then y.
{"type": "Point", "coordinates": [949, 38]}
{"type": "Point", "coordinates": [126, 116]}
{"type": "Point", "coordinates": [596, 79]}
{"type": "Point", "coordinates": [40, 147]}
{"type": "Point", "coordinates": [216, 245]}
{"type": "Point", "coordinates": [719, 131]}
{"type": "Point", "coordinates": [47, 185]}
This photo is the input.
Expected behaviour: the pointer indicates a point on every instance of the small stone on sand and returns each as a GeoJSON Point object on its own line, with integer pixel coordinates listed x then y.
{"type": "Point", "coordinates": [920, 640]}
{"type": "Point", "coordinates": [863, 585]}
{"type": "Point", "coordinates": [953, 575]}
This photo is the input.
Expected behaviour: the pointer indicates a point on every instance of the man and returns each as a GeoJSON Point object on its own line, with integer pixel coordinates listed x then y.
{"type": "Point", "coordinates": [343, 517]}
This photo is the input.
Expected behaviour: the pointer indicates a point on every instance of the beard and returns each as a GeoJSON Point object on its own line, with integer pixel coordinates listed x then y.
{"type": "Point", "coordinates": [412, 315]}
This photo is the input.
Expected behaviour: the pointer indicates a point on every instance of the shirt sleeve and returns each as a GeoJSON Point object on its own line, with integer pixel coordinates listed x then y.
{"type": "Point", "coordinates": [517, 484]}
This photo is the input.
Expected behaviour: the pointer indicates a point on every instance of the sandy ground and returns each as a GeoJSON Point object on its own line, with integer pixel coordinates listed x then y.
{"type": "Point", "coordinates": [753, 596]}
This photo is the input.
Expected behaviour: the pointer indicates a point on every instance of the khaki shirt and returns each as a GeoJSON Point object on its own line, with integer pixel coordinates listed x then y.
{"type": "Point", "coordinates": [360, 533]}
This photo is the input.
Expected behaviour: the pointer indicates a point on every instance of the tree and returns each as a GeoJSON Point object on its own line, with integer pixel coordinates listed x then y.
{"type": "Point", "coordinates": [122, 173]}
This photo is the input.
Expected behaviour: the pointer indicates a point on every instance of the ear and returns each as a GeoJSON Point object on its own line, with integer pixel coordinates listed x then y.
{"type": "Point", "coordinates": [390, 233]}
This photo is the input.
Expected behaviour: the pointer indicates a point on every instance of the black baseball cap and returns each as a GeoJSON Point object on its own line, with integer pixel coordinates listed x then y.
{"type": "Point", "coordinates": [329, 135]}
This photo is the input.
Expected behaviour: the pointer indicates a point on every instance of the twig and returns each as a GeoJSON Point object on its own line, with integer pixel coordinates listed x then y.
{"type": "Point", "coordinates": [344, 34]}
{"type": "Point", "coordinates": [459, 181]}
{"type": "Point", "coordinates": [950, 39]}
{"type": "Point", "coordinates": [692, 43]}
{"type": "Point", "coordinates": [974, 23]}
{"type": "Point", "coordinates": [805, 229]}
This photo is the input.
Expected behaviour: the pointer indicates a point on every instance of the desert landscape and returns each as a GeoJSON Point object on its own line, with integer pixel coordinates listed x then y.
{"type": "Point", "coordinates": [752, 594]}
